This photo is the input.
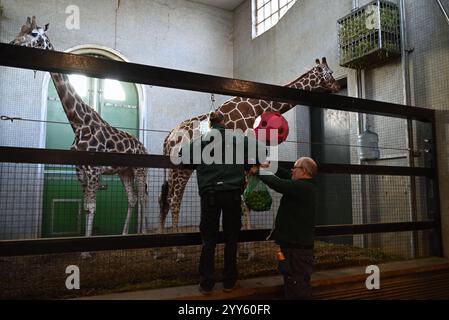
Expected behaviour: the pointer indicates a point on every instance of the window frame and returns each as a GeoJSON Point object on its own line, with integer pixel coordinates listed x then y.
{"type": "Point", "coordinates": [271, 10]}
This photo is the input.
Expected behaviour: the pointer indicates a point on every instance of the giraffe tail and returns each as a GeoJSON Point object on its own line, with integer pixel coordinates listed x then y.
{"type": "Point", "coordinates": [163, 199]}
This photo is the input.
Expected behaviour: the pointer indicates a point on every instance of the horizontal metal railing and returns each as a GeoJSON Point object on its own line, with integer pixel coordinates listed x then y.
{"type": "Point", "coordinates": [100, 243]}
{"type": "Point", "coordinates": [68, 157]}
{"type": "Point", "coordinates": [53, 61]}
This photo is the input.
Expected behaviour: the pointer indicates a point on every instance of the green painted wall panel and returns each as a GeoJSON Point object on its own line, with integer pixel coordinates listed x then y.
{"type": "Point", "coordinates": [63, 213]}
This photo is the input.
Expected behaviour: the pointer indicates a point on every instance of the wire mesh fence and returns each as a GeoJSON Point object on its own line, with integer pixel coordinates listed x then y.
{"type": "Point", "coordinates": [45, 201]}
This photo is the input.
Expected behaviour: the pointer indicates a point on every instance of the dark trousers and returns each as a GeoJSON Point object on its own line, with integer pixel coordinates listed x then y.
{"type": "Point", "coordinates": [297, 270]}
{"type": "Point", "coordinates": [212, 204]}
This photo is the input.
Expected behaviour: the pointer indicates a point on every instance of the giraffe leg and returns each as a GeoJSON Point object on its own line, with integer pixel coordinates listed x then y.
{"type": "Point", "coordinates": [92, 184]}
{"type": "Point", "coordinates": [127, 178]}
{"type": "Point", "coordinates": [181, 180]}
{"type": "Point", "coordinates": [142, 195]}
{"type": "Point", "coordinates": [89, 226]}
{"type": "Point", "coordinates": [175, 216]}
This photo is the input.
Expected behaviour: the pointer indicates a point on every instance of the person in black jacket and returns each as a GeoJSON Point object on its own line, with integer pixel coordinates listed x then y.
{"type": "Point", "coordinates": [295, 223]}
{"type": "Point", "coordinates": [220, 187]}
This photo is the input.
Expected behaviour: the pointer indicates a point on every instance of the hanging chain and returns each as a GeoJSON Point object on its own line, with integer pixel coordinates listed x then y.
{"type": "Point", "coordinates": [212, 102]}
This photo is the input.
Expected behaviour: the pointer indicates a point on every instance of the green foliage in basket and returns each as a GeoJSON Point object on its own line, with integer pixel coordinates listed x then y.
{"type": "Point", "coordinates": [360, 42]}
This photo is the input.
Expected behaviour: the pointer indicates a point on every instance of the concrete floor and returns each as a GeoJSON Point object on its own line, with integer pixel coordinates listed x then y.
{"type": "Point", "coordinates": [345, 283]}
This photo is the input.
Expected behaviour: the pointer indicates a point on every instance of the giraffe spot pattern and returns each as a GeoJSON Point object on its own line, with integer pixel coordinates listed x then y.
{"type": "Point", "coordinates": [87, 119]}
{"type": "Point", "coordinates": [82, 146]}
{"type": "Point", "coordinates": [240, 124]}
{"type": "Point", "coordinates": [234, 114]}
{"type": "Point", "coordinates": [120, 147]}
{"type": "Point", "coordinates": [93, 142]}
{"type": "Point", "coordinates": [259, 109]}
{"type": "Point", "coordinates": [246, 109]}
{"type": "Point", "coordinates": [249, 122]}
{"type": "Point", "coordinates": [101, 137]}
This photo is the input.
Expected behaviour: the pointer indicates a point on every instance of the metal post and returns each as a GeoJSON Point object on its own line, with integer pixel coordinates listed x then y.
{"type": "Point", "coordinates": [361, 119]}
{"type": "Point", "coordinates": [414, 247]}
{"type": "Point", "coordinates": [436, 240]}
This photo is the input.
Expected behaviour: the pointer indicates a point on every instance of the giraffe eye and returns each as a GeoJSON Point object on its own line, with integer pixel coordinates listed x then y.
{"type": "Point", "coordinates": [34, 34]}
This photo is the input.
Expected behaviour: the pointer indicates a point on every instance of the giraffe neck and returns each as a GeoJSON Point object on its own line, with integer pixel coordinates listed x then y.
{"type": "Point", "coordinates": [77, 111]}
{"type": "Point", "coordinates": [241, 112]}
{"type": "Point", "coordinates": [307, 81]}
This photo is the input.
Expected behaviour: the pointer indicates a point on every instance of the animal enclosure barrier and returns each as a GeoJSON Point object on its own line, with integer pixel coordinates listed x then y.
{"type": "Point", "coordinates": [370, 212]}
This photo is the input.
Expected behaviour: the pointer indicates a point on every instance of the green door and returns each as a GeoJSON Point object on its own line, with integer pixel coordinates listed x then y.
{"type": "Point", "coordinates": [63, 214]}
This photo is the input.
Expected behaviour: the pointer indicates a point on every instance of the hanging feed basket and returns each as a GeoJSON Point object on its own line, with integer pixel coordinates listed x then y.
{"type": "Point", "coordinates": [370, 35]}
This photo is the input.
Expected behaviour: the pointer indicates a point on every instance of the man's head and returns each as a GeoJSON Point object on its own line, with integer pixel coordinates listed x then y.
{"type": "Point", "coordinates": [216, 118]}
{"type": "Point", "coordinates": [304, 168]}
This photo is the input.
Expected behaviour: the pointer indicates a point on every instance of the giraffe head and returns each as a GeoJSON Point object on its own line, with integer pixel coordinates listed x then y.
{"type": "Point", "coordinates": [31, 35]}
{"type": "Point", "coordinates": [323, 74]}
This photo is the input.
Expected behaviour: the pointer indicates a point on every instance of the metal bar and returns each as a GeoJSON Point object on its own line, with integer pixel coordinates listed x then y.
{"type": "Point", "coordinates": [406, 89]}
{"type": "Point", "coordinates": [47, 156]}
{"type": "Point", "coordinates": [367, 169]}
{"type": "Point", "coordinates": [99, 243]}
{"type": "Point", "coordinates": [437, 237]}
{"type": "Point", "coordinates": [349, 229]}
{"type": "Point", "coordinates": [68, 157]}
{"type": "Point", "coordinates": [36, 59]}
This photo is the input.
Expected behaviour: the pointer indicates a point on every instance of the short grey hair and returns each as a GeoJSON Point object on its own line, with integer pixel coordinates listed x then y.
{"type": "Point", "coordinates": [309, 165]}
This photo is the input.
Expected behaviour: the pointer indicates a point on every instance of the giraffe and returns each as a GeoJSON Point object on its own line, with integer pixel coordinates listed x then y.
{"type": "Point", "coordinates": [239, 113]}
{"type": "Point", "coordinates": [92, 133]}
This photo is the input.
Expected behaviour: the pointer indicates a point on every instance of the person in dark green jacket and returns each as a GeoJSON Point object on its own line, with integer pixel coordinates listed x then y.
{"type": "Point", "coordinates": [221, 184]}
{"type": "Point", "coordinates": [295, 223]}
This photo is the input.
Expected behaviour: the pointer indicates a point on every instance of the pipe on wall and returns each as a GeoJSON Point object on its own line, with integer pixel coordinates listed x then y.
{"type": "Point", "coordinates": [407, 100]}
{"type": "Point", "coordinates": [443, 10]}
{"type": "Point", "coordinates": [361, 125]}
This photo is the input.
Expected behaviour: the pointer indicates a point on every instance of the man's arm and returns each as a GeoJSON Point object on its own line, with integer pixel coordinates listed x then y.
{"type": "Point", "coordinates": [283, 173]}
{"type": "Point", "coordinates": [283, 186]}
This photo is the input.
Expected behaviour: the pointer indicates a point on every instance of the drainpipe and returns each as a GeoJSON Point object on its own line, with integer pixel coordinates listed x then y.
{"type": "Point", "coordinates": [361, 118]}
{"type": "Point", "coordinates": [443, 10]}
{"type": "Point", "coordinates": [407, 94]}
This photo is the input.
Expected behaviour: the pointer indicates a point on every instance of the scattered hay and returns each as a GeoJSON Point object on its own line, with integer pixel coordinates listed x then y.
{"type": "Point", "coordinates": [43, 276]}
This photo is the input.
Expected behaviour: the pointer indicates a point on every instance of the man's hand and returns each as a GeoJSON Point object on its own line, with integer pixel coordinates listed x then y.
{"type": "Point", "coordinates": [254, 170]}
{"type": "Point", "coordinates": [265, 165]}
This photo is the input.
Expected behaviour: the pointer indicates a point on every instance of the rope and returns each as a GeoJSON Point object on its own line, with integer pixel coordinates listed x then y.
{"type": "Point", "coordinates": [12, 119]}
{"type": "Point", "coordinates": [204, 125]}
